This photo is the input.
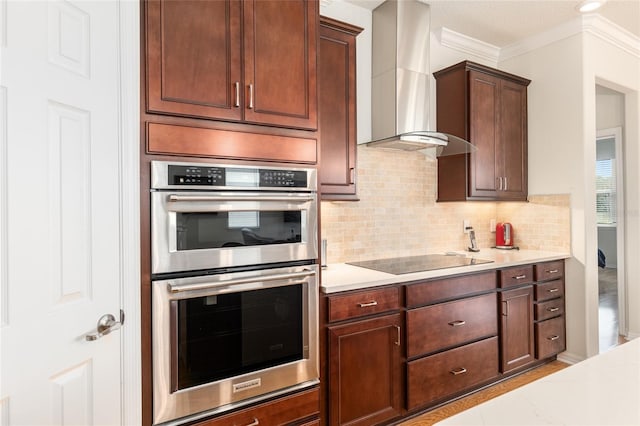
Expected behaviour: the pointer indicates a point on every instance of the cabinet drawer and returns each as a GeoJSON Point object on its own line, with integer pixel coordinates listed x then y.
{"type": "Point", "coordinates": [550, 337]}
{"type": "Point", "coordinates": [549, 290]}
{"type": "Point", "coordinates": [516, 276]}
{"type": "Point", "coordinates": [279, 412]}
{"type": "Point", "coordinates": [438, 376]}
{"type": "Point", "coordinates": [354, 305]}
{"type": "Point", "coordinates": [449, 288]}
{"type": "Point", "coordinates": [445, 325]}
{"type": "Point", "coordinates": [549, 309]}
{"type": "Point", "coordinates": [549, 270]}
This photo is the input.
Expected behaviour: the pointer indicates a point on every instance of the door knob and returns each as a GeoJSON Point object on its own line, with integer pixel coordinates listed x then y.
{"type": "Point", "coordinates": [106, 324]}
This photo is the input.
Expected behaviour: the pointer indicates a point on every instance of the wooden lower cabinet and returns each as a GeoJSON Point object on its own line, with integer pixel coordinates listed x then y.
{"type": "Point", "coordinates": [447, 373]}
{"type": "Point", "coordinates": [550, 337]}
{"type": "Point", "coordinates": [365, 369]}
{"type": "Point", "coordinates": [516, 331]}
{"type": "Point", "coordinates": [287, 410]}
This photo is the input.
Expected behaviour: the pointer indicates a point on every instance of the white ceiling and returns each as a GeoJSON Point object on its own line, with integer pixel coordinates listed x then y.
{"type": "Point", "coordinates": [503, 22]}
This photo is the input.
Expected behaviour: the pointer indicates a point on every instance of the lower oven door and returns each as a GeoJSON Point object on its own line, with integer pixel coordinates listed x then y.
{"type": "Point", "coordinates": [226, 340]}
{"type": "Point", "coordinates": [204, 230]}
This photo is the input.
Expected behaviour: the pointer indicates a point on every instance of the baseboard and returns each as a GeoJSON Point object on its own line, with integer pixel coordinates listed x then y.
{"type": "Point", "coordinates": [570, 358]}
{"type": "Point", "coordinates": [631, 336]}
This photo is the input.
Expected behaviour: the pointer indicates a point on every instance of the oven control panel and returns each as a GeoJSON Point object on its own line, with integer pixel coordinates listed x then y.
{"type": "Point", "coordinates": [217, 176]}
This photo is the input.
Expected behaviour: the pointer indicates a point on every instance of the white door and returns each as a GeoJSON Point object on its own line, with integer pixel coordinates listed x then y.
{"type": "Point", "coordinates": [60, 212]}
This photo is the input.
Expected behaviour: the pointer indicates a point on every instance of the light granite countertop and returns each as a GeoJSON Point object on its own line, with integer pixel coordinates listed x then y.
{"type": "Point", "coordinates": [602, 390]}
{"type": "Point", "coordinates": [338, 277]}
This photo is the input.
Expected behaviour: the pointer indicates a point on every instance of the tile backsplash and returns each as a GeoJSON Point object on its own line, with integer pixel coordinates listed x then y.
{"type": "Point", "coordinates": [397, 214]}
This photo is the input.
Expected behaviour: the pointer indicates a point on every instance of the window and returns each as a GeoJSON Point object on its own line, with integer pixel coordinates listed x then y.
{"type": "Point", "coordinates": [606, 191]}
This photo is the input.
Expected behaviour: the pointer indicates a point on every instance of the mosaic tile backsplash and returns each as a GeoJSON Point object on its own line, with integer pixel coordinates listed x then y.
{"type": "Point", "coordinates": [397, 214]}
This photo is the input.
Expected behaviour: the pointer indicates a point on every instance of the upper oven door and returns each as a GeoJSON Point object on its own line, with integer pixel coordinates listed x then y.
{"type": "Point", "coordinates": [206, 230]}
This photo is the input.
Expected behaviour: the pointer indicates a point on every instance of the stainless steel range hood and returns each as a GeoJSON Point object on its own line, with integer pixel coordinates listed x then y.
{"type": "Point", "coordinates": [400, 81]}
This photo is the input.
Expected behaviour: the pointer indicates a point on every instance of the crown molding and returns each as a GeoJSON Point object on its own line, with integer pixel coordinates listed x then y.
{"type": "Point", "coordinates": [593, 24]}
{"type": "Point", "coordinates": [468, 45]}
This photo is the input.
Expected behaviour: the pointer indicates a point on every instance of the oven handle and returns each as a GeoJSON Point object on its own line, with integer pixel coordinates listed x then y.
{"type": "Point", "coordinates": [177, 198]}
{"type": "Point", "coordinates": [177, 288]}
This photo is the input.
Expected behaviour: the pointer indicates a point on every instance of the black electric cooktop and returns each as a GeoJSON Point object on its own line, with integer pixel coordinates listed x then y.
{"type": "Point", "coordinates": [428, 262]}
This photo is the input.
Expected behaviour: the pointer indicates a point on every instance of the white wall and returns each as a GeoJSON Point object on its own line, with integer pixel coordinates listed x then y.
{"type": "Point", "coordinates": [618, 69]}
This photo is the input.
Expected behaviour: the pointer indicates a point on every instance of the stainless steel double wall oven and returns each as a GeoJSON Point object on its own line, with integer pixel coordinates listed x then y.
{"type": "Point", "coordinates": [234, 285]}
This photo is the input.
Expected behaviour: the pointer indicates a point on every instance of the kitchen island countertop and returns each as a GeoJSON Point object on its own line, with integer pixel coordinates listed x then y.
{"type": "Point", "coordinates": [338, 277]}
{"type": "Point", "coordinates": [601, 390]}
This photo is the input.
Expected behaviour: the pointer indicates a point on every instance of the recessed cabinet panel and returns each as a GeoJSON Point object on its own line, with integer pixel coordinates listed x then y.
{"type": "Point", "coordinates": [435, 377]}
{"type": "Point", "coordinates": [445, 325]}
{"type": "Point", "coordinates": [364, 371]}
{"type": "Point", "coordinates": [193, 58]}
{"type": "Point", "coordinates": [516, 331]}
{"type": "Point", "coordinates": [337, 105]}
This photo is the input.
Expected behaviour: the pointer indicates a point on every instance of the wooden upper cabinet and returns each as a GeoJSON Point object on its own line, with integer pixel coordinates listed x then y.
{"type": "Point", "coordinates": [487, 107]}
{"type": "Point", "coordinates": [251, 61]}
{"type": "Point", "coordinates": [337, 106]}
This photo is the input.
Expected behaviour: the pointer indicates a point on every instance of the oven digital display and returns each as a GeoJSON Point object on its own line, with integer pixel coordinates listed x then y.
{"type": "Point", "coordinates": [196, 175]}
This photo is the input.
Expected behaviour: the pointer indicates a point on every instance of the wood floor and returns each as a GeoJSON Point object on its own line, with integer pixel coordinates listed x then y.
{"type": "Point", "coordinates": [462, 404]}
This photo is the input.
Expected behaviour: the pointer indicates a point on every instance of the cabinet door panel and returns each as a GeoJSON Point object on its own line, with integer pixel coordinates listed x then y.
{"type": "Point", "coordinates": [445, 325]}
{"type": "Point", "coordinates": [280, 62]}
{"type": "Point", "coordinates": [483, 109]}
{"type": "Point", "coordinates": [437, 376]}
{"type": "Point", "coordinates": [186, 74]}
{"type": "Point", "coordinates": [513, 127]}
{"type": "Point", "coordinates": [517, 346]}
{"type": "Point", "coordinates": [364, 371]}
{"type": "Point", "coordinates": [337, 105]}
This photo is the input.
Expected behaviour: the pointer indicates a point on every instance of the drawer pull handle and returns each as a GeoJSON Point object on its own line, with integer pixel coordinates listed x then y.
{"type": "Point", "coordinates": [552, 338]}
{"type": "Point", "coordinates": [460, 370]}
{"type": "Point", "coordinates": [237, 87]}
{"type": "Point", "coordinates": [457, 323]}
{"type": "Point", "coordinates": [553, 290]}
{"type": "Point", "coordinates": [397, 342]}
{"type": "Point", "coordinates": [553, 309]}
{"type": "Point", "coordinates": [552, 271]}
{"type": "Point", "coordinates": [520, 277]}
{"type": "Point", "coordinates": [255, 422]}
{"type": "Point", "coordinates": [367, 304]}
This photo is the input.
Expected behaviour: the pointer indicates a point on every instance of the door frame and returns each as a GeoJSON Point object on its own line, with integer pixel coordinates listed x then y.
{"type": "Point", "coordinates": [129, 177]}
{"type": "Point", "coordinates": [616, 134]}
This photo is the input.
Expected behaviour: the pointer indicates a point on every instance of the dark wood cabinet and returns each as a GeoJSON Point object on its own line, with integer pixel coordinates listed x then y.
{"type": "Point", "coordinates": [516, 328]}
{"type": "Point", "coordinates": [488, 108]}
{"type": "Point", "coordinates": [243, 61]}
{"type": "Point", "coordinates": [364, 371]}
{"type": "Point", "coordinates": [550, 327]}
{"type": "Point", "coordinates": [289, 409]}
{"type": "Point", "coordinates": [337, 109]}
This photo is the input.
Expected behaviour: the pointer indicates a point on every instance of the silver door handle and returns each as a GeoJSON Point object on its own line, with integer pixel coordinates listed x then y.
{"type": "Point", "coordinates": [367, 304]}
{"type": "Point", "coordinates": [250, 96]}
{"type": "Point", "coordinates": [458, 371]}
{"type": "Point", "coordinates": [193, 198]}
{"type": "Point", "coordinates": [237, 90]}
{"type": "Point", "coordinates": [505, 183]}
{"type": "Point", "coordinates": [177, 288]}
{"type": "Point", "coordinates": [499, 183]}
{"type": "Point", "coordinates": [106, 324]}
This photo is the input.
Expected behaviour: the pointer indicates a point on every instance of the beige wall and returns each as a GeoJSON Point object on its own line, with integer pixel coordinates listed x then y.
{"type": "Point", "coordinates": [398, 215]}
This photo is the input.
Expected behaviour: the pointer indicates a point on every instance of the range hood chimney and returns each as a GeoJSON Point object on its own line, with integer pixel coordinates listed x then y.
{"type": "Point", "coordinates": [400, 81]}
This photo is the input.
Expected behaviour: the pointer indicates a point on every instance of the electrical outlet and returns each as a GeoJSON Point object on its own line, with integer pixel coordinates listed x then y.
{"type": "Point", "coordinates": [466, 226]}
{"type": "Point", "coordinates": [492, 225]}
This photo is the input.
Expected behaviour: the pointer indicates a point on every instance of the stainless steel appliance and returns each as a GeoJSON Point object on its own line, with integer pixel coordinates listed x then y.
{"type": "Point", "coordinates": [234, 286]}
{"type": "Point", "coordinates": [207, 216]}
